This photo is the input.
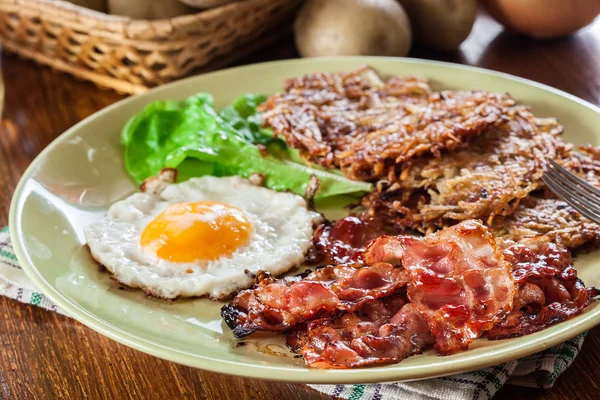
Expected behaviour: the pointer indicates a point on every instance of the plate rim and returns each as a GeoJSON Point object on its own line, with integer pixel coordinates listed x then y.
{"type": "Point", "coordinates": [577, 325]}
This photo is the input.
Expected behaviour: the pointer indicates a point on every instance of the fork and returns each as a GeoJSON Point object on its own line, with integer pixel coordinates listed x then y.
{"type": "Point", "coordinates": [579, 194]}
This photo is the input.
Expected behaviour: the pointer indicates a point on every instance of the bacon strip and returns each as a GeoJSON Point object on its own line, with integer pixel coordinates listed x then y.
{"type": "Point", "coordinates": [278, 305]}
{"type": "Point", "coordinates": [384, 331]}
{"type": "Point", "coordinates": [458, 280]}
{"type": "Point", "coordinates": [548, 289]}
{"type": "Point", "coordinates": [365, 320]}
{"type": "Point", "coordinates": [343, 241]}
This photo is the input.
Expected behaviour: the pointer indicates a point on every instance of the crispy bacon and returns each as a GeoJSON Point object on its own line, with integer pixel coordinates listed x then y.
{"type": "Point", "coordinates": [548, 289]}
{"type": "Point", "coordinates": [365, 320]}
{"type": "Point", "coordinates": [278, 305]}
{"type": "Point", "coordinates": [343, 241]}
{"type": "Point", "coordinates": [383, 331]}
{"type": "Point", "coordinates": [458, 280]}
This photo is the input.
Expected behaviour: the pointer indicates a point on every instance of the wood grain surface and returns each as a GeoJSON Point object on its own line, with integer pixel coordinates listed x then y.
{"type": "Point", "coordinates": [44, 355]}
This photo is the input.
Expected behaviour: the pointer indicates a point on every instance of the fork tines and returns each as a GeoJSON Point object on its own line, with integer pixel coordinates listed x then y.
{"type": "Point", "coordinates": [579, 194]}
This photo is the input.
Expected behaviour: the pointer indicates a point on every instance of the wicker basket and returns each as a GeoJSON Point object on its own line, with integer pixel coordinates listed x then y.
{"type": "Point", "coordinates": [131, 56]}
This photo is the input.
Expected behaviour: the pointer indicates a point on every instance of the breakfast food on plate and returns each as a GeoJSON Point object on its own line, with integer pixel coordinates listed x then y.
{"type": "Point", "coordinates": [486, 179]}
{"type": "Point", "coordinates": [384, 331]}
{"type": "Point", "coordinates": [343, 241]}
{"type": "Point", "coordinates": [548, 290]}
{"type": "Point", "coordinates": [457, 279]}
{"type": "Point", "coordinates": [203, 237]}
{"type": "Point", "coordinates": [457, 282]}
{"type": "Point", "coordinates": [452, 237]}
{"type": "Point", "coordinates": [546, 216]}
{"type": "Point", "coordinates": [278, 305]}
{"type": "Point", "coordinates": [550, 218]}
{"type": "Point", "coordinates": [451, 288]}
{"type": "Point", "coordinates": [193, 137]}
{"type": "Point", "coordinates": [366, 127]}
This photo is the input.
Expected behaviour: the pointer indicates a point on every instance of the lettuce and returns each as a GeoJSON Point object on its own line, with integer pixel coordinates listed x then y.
{"type": "Point", "coordinates": [193, 137]}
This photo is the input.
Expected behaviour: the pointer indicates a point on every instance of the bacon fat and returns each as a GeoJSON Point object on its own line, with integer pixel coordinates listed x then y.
{"type": "Point", "coordinates": [383, 331]}
{"type": "Point", "coordinates": [548, 289]}
{"type": "Point", "coordinates": [278, 305]}
{"type": "Point", "coordinates": [343, 241]}
{"type": "Point", "coordinates": [458, 280]}
{"type": "Point", "coordinates": [405, 293]}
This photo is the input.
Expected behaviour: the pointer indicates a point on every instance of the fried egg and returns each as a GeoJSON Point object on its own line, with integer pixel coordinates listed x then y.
{"type": "Point", "coordinates": [204, 237]}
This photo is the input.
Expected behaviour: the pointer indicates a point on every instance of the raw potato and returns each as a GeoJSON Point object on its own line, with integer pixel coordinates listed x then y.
{"type": "Point", "coordinates": [352, 27]}
{"type": "Point", "coordinates": [541, 19]}
{"type": "Point", "coordinates": [206, 3]}
{"type": "Point", "coordinates": [148, 9]}
{"type": "Point", "coordinates": [441, 24]}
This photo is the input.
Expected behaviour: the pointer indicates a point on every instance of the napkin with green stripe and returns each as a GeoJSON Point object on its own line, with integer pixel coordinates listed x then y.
{"type": "Point", "coordinates": [540, 370]}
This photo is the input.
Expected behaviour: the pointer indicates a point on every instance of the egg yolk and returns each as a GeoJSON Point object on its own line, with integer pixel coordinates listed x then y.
{"type": "Point", "coordinates": [205, 230]}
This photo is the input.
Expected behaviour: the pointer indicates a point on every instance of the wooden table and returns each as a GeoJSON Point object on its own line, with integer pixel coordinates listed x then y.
{"type": "Point", "coordinates": [45, 355]}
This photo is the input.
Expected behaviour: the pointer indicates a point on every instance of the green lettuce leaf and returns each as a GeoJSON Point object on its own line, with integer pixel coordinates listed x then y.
{"type": "Point", "coordinates": [193, 137]}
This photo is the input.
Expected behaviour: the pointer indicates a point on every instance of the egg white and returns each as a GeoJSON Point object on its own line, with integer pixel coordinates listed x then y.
{"type": "Point", "coordinates": [282, 230]}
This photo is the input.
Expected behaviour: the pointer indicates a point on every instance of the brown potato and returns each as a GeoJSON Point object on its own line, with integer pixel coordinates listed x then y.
{"type": "Point", "coordinates": [352, 27]}
{"type": "Point", "coordinates": [541, 19]}
{"type": "Point", "coordinates": [441, 24]}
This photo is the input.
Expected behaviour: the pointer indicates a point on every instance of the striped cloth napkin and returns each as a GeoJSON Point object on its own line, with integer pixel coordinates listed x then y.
{"type": "Point", "coordinates": [540, 370]}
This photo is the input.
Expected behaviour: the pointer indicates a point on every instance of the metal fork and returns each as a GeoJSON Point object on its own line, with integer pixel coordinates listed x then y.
{"type": "Point", "coordinates": [579, 194]}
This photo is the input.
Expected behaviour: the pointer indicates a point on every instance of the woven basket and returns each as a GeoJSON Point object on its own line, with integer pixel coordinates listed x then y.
{"type": "Point", "coordinates": [131, 56]}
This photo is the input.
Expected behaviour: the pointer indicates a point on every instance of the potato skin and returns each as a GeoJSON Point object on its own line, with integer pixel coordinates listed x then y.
{"type": "Point", "coordinates": [543, 19]}
{"type": "Point", "coordinates": [441, 24]}
{"type": "Point", "coordinates": [352, 27]}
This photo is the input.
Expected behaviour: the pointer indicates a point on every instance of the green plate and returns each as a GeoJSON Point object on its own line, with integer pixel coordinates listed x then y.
{"type": "Point", "coordinates": [73, 181]}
